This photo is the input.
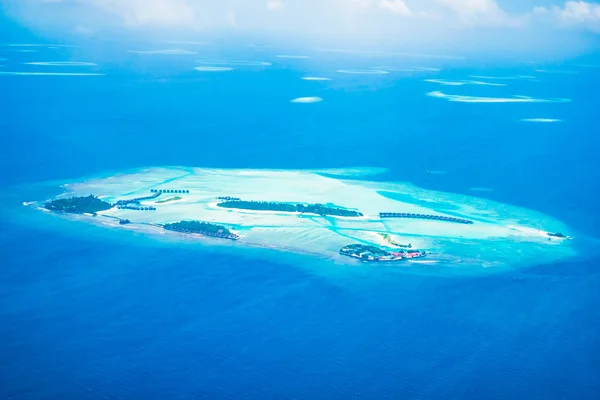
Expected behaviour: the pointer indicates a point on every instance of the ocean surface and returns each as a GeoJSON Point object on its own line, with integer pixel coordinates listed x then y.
{"type": "Point", "coordinates": [94, 313]}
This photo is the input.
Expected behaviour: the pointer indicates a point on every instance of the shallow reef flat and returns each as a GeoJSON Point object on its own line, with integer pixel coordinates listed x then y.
{"type": "Point", "coordinates": [496, 235]}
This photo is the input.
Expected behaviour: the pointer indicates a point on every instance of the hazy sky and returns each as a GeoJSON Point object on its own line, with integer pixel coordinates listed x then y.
{"type": "Point", "coordinates": [432, 24]}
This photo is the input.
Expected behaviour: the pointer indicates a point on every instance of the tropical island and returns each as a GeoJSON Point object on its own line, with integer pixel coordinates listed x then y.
{"type": "Point", "coordinates": [477, 232]}
{"type": "Point", "coordinates": [78, 205]}
{"type": "Point", "coordinates": [374, 253]}
{"type": "Point", "coordinates": [201, 228]}
{"type": "Point", "coordinates": [316, 208]}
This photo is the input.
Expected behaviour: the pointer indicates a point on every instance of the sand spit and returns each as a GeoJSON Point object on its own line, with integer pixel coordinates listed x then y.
{"type": "Point", "coordinates": [478, 99]}
{"type": "Point", "coordinates": [541, 120]}
{"type": "Point", "coordinates": [213, 69]}
{"type": "Point", "coordinates": [315, 78]}
{"type": "Point", "coordinates": [307, 100]}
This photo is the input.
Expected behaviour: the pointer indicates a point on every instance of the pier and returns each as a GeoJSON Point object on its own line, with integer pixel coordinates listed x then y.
{"type": "Point", "coordinates": [228, 198]}
{"type": "Point", "coordinates": [159, 191]}
{"type": "Point", "coordinates": [137, 199]}
{"type": "Point", "coordinates": [137, 208]}
{"type": "Point", "coordinates": [425, 216]}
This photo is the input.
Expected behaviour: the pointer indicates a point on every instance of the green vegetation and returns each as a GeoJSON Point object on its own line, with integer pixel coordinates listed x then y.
{"type": "Point", "coordinates": [78, 205]}
{"type": "Point", "coordinates": [557, 234]}
{"type": "Point", "coordinates": [168, 200]}
{"type": "Point", "coordinates": [202, 228]}
{"type": "Point", "coordinates": [389, 240]}
{"type": "Point", "coordinates": [319, 209]}
{"type": "Point", "coordinates": [363, 251]}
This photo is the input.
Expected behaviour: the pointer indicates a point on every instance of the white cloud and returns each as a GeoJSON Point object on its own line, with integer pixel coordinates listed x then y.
{"type": "Point", "coordinates": [471, 7]}
{"type": "Point", "coordinates": [573, 14]}
{"type": "Point", "coordinates": [396, 6]}
{"type": "Point", "coordinates": [323, 14]}
{"type": "Point", "coordinates": [274, 4]}
{"type": "Point", "coordinates": [137, 12]}
{"type": "Point", "coordinates": [435, 25]}
{"type": "Point", "coordinates": [478, 12]}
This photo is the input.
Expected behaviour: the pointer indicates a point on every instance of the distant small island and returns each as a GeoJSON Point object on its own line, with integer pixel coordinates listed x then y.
{"type": "Point", "coordinates": [316, 208]}
{"type": "Point", "coordinates": [388, 239]}
{"type": "Point", "coordinates": [78, 205]}
{"type": "Point", "coordinates": [168, 200]}
{"type": "Point", "coordinates": [557, 234]}
{"type": "Point", "coordinates": [374, 253]}
{"type": "Point", "coordinates": [201, 228]}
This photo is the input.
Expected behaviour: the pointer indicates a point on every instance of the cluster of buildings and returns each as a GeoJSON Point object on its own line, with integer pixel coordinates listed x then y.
{"type": "Point", "coordinates": [424, 216]}
{"type": "Point", "coordinates": [159, 191]}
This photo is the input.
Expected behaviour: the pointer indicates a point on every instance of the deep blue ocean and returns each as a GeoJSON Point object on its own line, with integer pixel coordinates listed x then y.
{"type": "Point", "coordinates": [92, 313]}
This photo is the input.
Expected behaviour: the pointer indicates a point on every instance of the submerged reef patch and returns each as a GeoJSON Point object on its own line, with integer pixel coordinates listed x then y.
{"type": "Point", "coordinates": [213, 69]}
{"type": "Point", "coordinates": [363, 71]}
{"type": "Point", "coordinates": [21, 73]}
{"type": "Point", "coordinates": [313, 99]}
{"type": "Point", "coordinates": [63, 63]}
{"type": "Point", "coordinates": [164, 51]}
{"type": "Point", "coordinates": [480, 99]}
{"type": "Point", "coordinates": [235, 63]}
{"type": "Point", "coordinates": [462, 82]}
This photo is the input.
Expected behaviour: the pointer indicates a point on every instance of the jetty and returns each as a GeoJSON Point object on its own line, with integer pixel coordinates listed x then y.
{"type": "Point", "coordinates": [136, 208]}
{"type": "Point", "coordinates": [137, 199]}
{"type": "Point", "coordinates": [425, 216]}
{"type": "Point", "coordinates": [159, 191]}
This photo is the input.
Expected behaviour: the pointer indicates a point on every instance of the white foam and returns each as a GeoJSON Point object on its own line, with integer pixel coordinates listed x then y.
{"type": "Point", "coordinates": [478, 99]}
{"type": "Point", "coordinates": [307, 100]}
{"type": "Point", "coordinates": [213, 69]}
{"type": "Point", "coordinates": [363, 71]}
{"type": "Point", "coordinates": [446, 82]}
{"type": "Point", "coordinates": [167, 52]}
{"type": "Point", "coordinates": [291, 56]}
{"type": "Point", "coordinates": [51, 73]}
{"type": "Point", "coordinates": [64, 63]}
{"type": "Point", "coordinates": [315, 78]}
{"type": "Point", "coordinates": [543, 120]}
{"type": "Point", "coordinates": [235, 63]}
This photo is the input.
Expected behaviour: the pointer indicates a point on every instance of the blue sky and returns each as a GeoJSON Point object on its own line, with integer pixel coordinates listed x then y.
{"type": "Point", "coordinates": [541, 25]}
